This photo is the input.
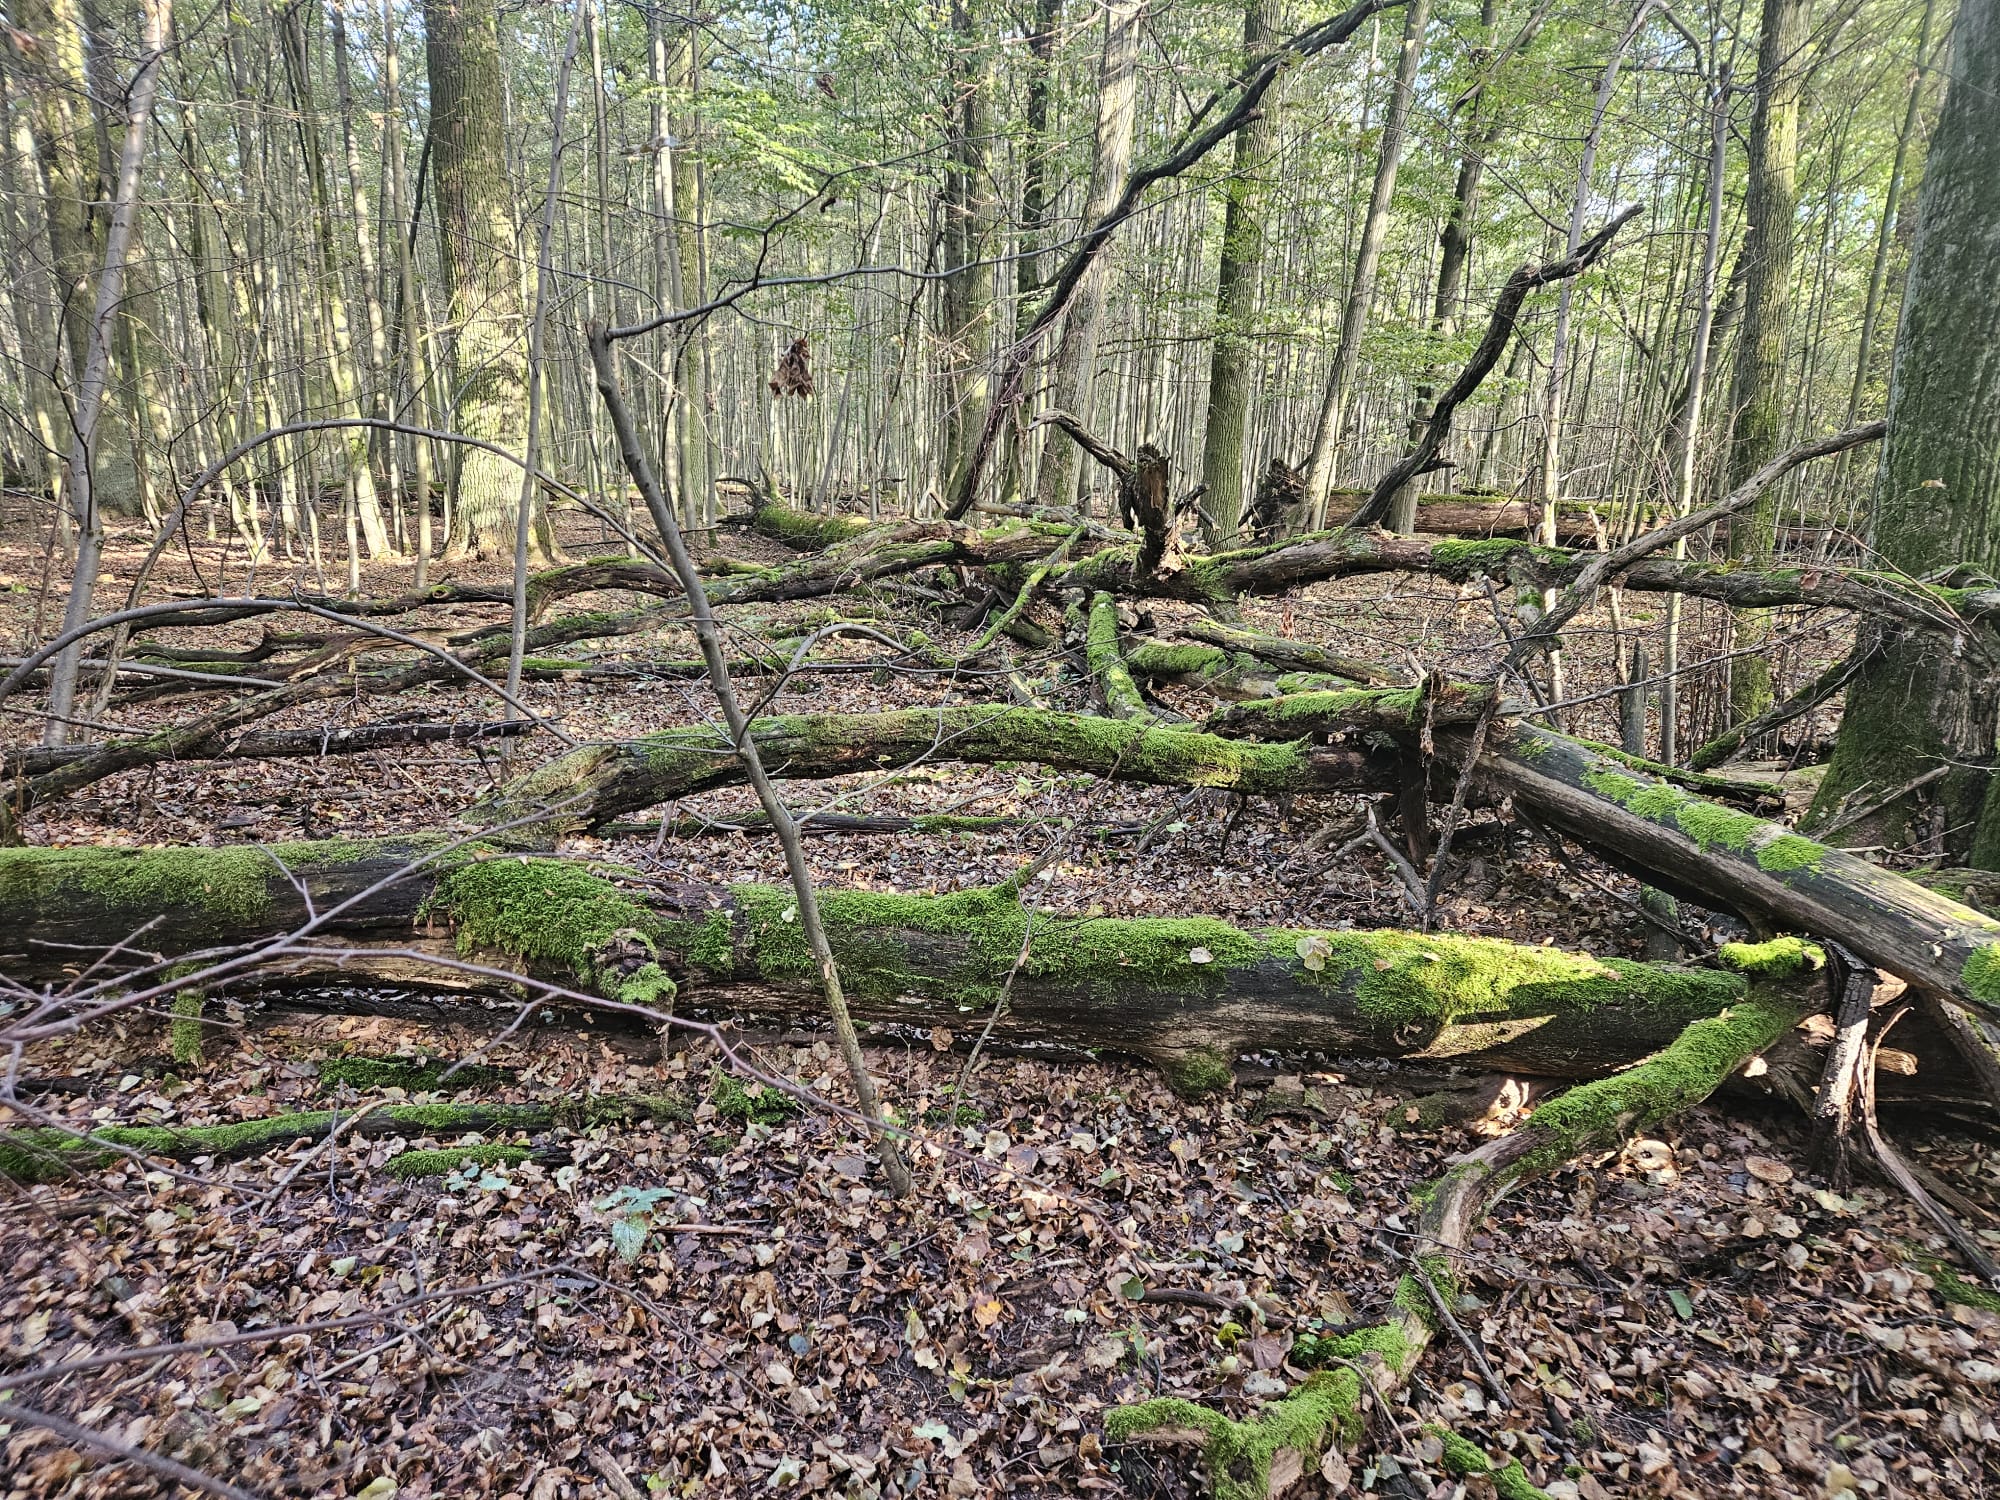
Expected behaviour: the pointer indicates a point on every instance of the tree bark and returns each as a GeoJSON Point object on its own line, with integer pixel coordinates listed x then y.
{"type": "Point", "coordinates": [1232, 357]}
{"type": "Point", "coordinates": [1188, 993]}
{"type": "Point", "coordinates": [482, 270]}
{"type": "Point", "coordinates": [1937, 503]}
{"type": "Point", "coordinates": [1367, 256]}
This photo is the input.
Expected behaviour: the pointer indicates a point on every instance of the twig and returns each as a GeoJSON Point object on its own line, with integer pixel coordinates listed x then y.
{"type": "Point", "coordinates": [90, 1437]}
{"type": "Point", "coordinates": [1899, 1171]}
{"type": "Point", "coordinates": [1491, 1381]}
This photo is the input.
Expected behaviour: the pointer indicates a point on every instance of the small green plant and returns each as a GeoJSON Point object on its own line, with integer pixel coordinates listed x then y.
{"type": "Point", "coordinates": [758, 1104]}
{"type": "Point", "coordinates": [631, 1211]}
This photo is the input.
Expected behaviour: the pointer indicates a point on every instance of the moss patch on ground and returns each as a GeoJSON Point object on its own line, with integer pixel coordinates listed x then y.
{"type": "Point", "coordinates": [1467, 1459]}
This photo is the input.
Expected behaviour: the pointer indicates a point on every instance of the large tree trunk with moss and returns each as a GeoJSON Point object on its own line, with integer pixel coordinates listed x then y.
{"type": "Point", "coordinates": [1762, 390]}
{"type": "Point", "coordinates": [1188, 993]}
{"type": "Point", "coordinates": [1917, 703]}
{"type": "Point", "coordinates": [482, 270]}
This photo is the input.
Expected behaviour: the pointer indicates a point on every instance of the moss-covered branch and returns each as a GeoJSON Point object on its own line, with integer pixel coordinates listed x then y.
{"type": "Point", "coordinates": [1107, 667]}
{"type": "Point", "coordinates": [605, 782]}
{"type": "Point", "coordinates": [1261, 1457]}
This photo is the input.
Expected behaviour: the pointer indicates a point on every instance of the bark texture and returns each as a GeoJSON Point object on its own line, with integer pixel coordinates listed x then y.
{"type": "Point", "coordinates": [1913, 706]}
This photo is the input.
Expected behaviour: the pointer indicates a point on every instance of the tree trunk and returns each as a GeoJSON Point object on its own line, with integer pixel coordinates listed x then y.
{"type": "Point", "coordinates": [1913, 706]}
{"type": "Point", "coordinates": [1111, 161]}
{"type": "Point", "coordinates": [95, 372]}
{"type": "Point", "coordinates": [971, 282]}
{"type": "Point", "coordinates": [1760, 394]}
{"type": "Point", "coordinates": [482, 270]}
{"type": "Point", "coordinates": [1233, 358]}
{"type": "Point", "coordinates": [1361, 291]}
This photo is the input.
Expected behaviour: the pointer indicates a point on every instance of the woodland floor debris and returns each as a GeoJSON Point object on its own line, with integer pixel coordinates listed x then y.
{"type": "Point", "coordinates": [1697, 1312]}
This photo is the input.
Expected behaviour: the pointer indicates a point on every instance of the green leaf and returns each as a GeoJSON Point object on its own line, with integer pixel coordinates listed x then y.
{"type": "Point", "coordinates": [1681, 1305]}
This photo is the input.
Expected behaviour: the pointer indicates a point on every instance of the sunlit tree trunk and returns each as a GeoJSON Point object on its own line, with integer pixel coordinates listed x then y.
{"type": "Point", "coordinates": [972, 285]}
{"type": "Point", "coordinates": [1367, 258]}
{"type": "Point", "coordinates": [95, 373]}
{"type": "Point", "coordinates": [1233, 360]}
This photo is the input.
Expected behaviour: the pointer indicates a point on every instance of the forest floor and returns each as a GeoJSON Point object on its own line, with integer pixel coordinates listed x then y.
{"type": "Point", "coordinates": [1698, 1314]}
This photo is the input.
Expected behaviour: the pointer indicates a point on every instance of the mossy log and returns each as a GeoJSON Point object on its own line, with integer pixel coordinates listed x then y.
{"type": "Point", "coordinates": [282, 744]}
{"type": "Point", "coordinates": [1188, 993]}
{"type": "Point", "coordinates": [48, 1154]}
{"type": "Point", "coordinates": [1265, 1455]}
{"type": "Point", "coordinates": [600, 783]}
{"type": "Point", "coordinates": [1718, 856]}
{"type": "Point", "coordinates": [1279, 567]}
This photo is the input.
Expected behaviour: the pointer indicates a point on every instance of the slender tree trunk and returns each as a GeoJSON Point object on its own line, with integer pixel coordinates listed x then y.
{"type": "Point", "coordinates": [1233, 359]}
{"type": "Point", "coordinates": [1758, 397]}
{"type": "Point", "coordinates": [1454, 256]}
{"type": "Point", "coordinates": [96, 370]}
{"type": "Point", "coordinates": [1361, 292]}
{"type": "Point", "coordinates": [1914, 706]}
{"type": "Point", "coordinates": [1111, 163]}
{"type": "Point", "coordinates": [1687, 431]}
{"type": "Point", "coordinates": [971, 284]}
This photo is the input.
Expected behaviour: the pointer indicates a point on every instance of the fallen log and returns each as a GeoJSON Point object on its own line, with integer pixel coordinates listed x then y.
{"type": "Point", "coordinates": [1264, 1455]}
{"type": "Point", "coordinates": [354, 739]}
{"type": "Point", "coordinates": [1187, 993]}
{"type": "Point", "coordinates": [1719, 856]}
{"type": "Point", "coordinates": [599, 783]}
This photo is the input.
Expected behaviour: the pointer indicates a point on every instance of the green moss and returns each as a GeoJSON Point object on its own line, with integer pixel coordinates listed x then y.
{"type": "Point", "coordinates": [1193, 1074]}
{"type": "Point", "coordinates": [1121, 694]}
{"type": "Point", "coordinates": [552, 664]}
{"type": "Point", "coordinates": [1981, 974]}
{"type": "Point", "coordinates": [413, 1164]}
{"type": "Point", "coordinates": [1680, 1075]}
{"type": "Point", "coordinates": [1463, 558]}
{"type": "Point", "coordinates": [1158, 659]}
{"type": "Point", "coordinates": [1954, 1288]}
{"type": "Point", "coordinates": [228, 885]}
{"type": "Point", "coordinates": [1709, 825]}
{"type": "Point", "coordinates": [1411, 1297]}
{"type": "Point", "coordinates": [713, 946]}
{"type": "Point", "coordinates": [550, 910]}
{"type": "Point", "coordinates": [758, 1104]}
{"type": "Point", "coordinates": [184, 1032]}
{"type": "Point", "coordinates": [801, 530]}
{"type": "Point", "coordinates": [1467, 1459]}
{"type": "Point", "coordinates": [1239, 1454]}
{"type": "Point", "coordinates": [1388, 1341]}
{"type": "Point", "coordinates": [1776, 958]}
